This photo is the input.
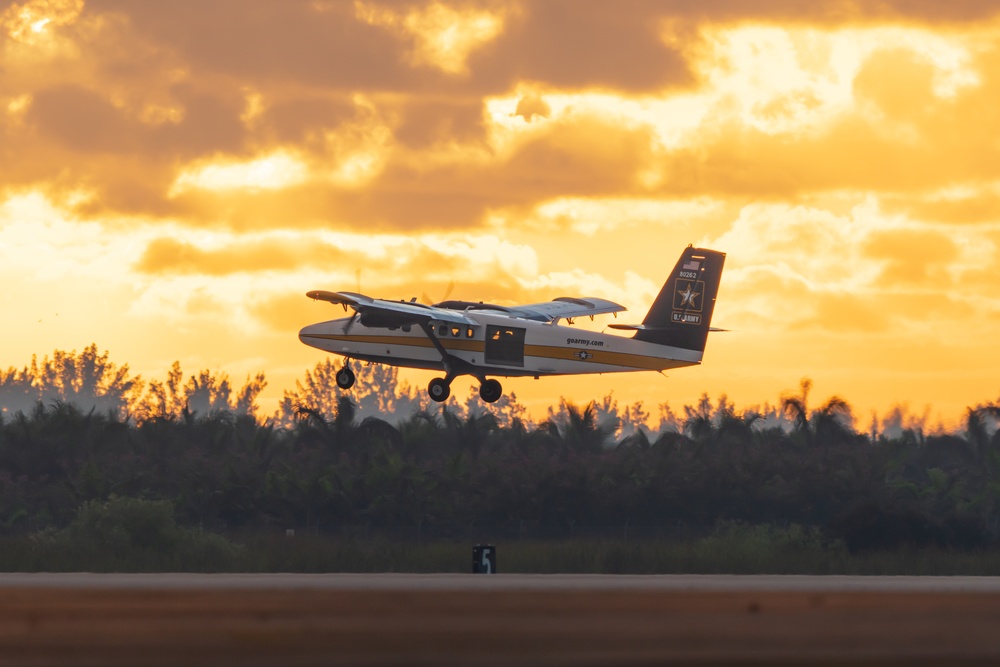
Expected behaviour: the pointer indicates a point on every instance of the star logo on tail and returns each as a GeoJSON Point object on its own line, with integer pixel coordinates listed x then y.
{"type": "Point", "coordinates": [688, 296]}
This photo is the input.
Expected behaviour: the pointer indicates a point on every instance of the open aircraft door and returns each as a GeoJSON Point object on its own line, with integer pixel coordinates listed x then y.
{"type": "Point", "coordinates": [504, 346]}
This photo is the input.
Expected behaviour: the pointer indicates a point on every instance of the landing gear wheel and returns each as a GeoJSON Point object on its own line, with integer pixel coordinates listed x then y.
{"type": "Point", "coordinates": [439, 390]}
{"type": "Point", "coordinates": [345, 378]}
{"type": "Point", "coordinates": [490, 391]}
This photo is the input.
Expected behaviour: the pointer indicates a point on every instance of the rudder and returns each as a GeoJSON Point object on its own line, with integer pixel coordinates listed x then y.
{"type": "Point", "coordinates": [681, 315]}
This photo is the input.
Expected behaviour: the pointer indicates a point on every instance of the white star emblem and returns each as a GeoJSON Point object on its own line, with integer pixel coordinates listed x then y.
{"type": "Point", "coordinates": [688, 296]}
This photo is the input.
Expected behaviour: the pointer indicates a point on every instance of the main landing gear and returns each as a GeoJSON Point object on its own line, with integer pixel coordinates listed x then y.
{"type": "Point", "coordinates": [439, 390]}
{"type": "Point", "coordinates": [345, 378]}
{"type": "Point", "coordinates": [490, 391]}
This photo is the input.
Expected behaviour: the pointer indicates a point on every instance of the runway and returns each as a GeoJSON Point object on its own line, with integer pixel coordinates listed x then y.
{"type": "Point", "coordinates": [505, 582]}
{"type": "Point", "coordinates": [397, 619]}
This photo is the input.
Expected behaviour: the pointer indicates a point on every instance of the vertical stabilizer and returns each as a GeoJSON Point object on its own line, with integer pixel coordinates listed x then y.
{"type": "Point", "coordinates": [682, 313]}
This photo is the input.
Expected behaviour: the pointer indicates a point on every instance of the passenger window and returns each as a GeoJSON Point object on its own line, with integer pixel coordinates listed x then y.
{"type": "Point", "coordinates": [443, 330]}
{"type": "Point", "coordinates": [468, 332]}
{"type": "Point", "coordinates": [456, 332]}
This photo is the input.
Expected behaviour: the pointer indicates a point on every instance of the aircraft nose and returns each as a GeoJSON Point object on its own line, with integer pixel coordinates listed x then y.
{"type": "Point", "coordinates": [308, 334]}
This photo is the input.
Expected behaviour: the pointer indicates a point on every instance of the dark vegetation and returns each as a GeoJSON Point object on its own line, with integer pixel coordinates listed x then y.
{"type": "Point", "coordinates": [142, 480]}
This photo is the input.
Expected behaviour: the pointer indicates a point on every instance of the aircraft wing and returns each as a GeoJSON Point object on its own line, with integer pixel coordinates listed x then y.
{"type": "Point", "coordinates": [385, 313]}
{"type": "Point", "coordinates": [342, 298]}
{"type": "Point", "coordinates": [566, 307]}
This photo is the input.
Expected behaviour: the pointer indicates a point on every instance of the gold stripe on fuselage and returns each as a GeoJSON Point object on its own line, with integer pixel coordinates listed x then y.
{"type": "Point", "coordinates": [605, 357]}
{"type": "Point", "coordinates": [449, 343]}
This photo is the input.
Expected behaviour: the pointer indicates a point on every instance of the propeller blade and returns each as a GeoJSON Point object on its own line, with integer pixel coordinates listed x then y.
{"type": "Point", "coordinates": [447, 293]}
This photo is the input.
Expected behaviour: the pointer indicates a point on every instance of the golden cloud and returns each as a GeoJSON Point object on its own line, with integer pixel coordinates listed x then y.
{"type": "Point", "coordinates": [443, 36]}
{"type": "Point", "coordinates": [846, 313]}
{"type": "Point", "coordinates": [167, 255]}
{"type": "Point", "coordinates": [222, 158]}
{"type": "Point", "coordinates": [967, 203]}
{"type": "Point", "coordinates": [31, 22]}
{"type": "Point", "coordinates": [913, 256]}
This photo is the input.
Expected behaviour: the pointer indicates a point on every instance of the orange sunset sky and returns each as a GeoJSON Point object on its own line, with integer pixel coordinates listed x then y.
{"type": "Point", "coordinates": [174, 176]}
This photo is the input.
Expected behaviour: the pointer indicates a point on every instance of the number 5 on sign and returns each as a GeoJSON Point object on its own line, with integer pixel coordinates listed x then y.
{"type": "Point", "coordinates": [484, 559]}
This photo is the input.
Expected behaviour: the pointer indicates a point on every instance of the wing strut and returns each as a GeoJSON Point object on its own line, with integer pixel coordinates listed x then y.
{"type": "Point", "coordinates": [453, 366]}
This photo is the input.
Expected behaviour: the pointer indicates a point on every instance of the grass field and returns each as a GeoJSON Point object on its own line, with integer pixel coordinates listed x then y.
{"type": "Point", "coordinates": [731, 548]}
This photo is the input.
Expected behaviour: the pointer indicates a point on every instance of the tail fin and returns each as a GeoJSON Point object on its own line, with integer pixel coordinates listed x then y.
{"type": "Point", "coordinates": [682, 313]}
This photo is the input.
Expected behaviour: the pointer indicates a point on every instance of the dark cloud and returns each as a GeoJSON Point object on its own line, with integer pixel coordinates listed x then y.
{"type": "Point", "coordinates": [565, 43]}
{"type": "Point", "coordinates": [425, 123]}
{"type": "Point", "coordinates": [530, 106]}
{"type": "Point", "coordinates": [583, 43]}
{"type": "Point", "coordinates": [931, 11]}
{"type": "Point", "coordinates": [81, 120]}
{"type": "Point", "coordinates": [211, 124]}
{"type": "Point", "coordinates": [85, 121]}
{"type": "Point", "coordinates": [833, 12]}
{"type": "Point", "coordinates": [298, 119]}
{"type": "Point", "coordinates": [259, 41]}
{"type": "Point", "coordinates": [74, 137]}
{"type": "Point", "coordinates": [585, 157]}
{"type": "Point", "coordinates": [309, 59]}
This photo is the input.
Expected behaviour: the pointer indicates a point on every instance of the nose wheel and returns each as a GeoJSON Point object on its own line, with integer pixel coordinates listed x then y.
{"type": "Point", "coordinates": [345, 378]}
{"type": "Point", "coordinates": [490, 391]}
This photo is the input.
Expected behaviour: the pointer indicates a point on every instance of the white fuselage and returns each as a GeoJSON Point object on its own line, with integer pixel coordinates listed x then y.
{"type": "Point", "coordinates": [498, 345]}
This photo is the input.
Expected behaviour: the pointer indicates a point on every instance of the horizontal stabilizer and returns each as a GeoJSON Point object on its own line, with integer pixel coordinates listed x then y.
{"type": "Point", "coordinates": [633, 327]}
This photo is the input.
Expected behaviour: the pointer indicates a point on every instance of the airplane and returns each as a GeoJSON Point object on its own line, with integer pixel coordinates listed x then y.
{"type": "Point", "coordinates": [484, 339]}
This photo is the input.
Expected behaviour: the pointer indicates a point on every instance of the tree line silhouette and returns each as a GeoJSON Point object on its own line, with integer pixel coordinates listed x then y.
{"type": "Point", "coordinates": [76, 428]}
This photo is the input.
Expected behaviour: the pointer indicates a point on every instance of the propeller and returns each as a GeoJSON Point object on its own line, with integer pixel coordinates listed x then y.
{"type": "Point", "coordinates": [447, 293]}
{"type": "Point", "coordinates": [350, 322]}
